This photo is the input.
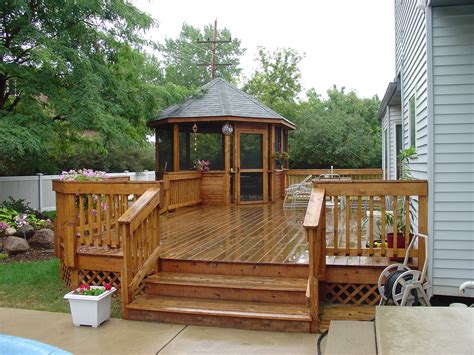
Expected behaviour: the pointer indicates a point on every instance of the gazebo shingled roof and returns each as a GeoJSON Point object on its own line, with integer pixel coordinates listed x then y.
{"type": "Point", "coordinates": [220, 99]}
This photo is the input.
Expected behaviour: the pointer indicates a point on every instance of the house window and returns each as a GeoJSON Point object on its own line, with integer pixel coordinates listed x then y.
{"type": "Point", "coordinates": [412, 116]}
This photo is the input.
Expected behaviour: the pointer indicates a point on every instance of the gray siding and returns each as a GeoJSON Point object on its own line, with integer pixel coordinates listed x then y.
{"type": "Point", "coordinates": [395, 118]}
{"type": "Point", "coordinates": [453, 141]}
{"type": "Point", "coordinates": [411, 63]}
{"type": "Point", "coordinates": [391, 117]}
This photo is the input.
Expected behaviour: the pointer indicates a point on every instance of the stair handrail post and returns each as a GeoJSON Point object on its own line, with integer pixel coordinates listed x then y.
{"type": "Point", "coordinates": [315, 232]}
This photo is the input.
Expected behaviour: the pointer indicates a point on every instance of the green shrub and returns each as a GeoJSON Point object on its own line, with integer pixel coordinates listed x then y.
{"type": "Point", "coordinates": [20, 206]}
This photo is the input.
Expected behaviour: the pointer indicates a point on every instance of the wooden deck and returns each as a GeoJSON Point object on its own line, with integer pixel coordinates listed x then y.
{"type": "Point", "coordinates": [253, 233]}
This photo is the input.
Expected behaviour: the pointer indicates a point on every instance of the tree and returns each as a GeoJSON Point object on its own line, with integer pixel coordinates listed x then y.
{"type": "Point", "coordinates": [336, 131]}
{"type": "Point", "coordinates": [74, 79]}
{"type": "Point", "coordinates": [183, 56]}
{"type": "Point", "coordinates": [277, 80]}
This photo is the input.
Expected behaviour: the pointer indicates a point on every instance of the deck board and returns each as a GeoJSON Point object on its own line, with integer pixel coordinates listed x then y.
{"type": "Point", "coordinates": [264, 233]}
{"type": "Point", "coordinates": [257, 233]}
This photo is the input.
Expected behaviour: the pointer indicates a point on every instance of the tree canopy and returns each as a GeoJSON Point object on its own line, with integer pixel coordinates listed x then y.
{"type": "Point", "coordinates": [75, 83]}
{"type": "Point", "coordinates": [78, 83]}
{"type": "Point", "coordinates": [277, 80]}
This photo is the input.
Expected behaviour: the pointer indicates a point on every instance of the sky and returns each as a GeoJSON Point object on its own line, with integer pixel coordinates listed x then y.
{"type": "Point", "coordinates": [346, 42]}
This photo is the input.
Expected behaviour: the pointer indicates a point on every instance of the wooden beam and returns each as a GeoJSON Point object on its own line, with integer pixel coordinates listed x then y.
{"type": "Point", "coordinates": [265, 166]}
{"type": "Point", "coordinates": [278, 121]}
{"type": "Point", "coordinates": [176, 147]}
{"type": "Point", "coordinates": [157, 155]}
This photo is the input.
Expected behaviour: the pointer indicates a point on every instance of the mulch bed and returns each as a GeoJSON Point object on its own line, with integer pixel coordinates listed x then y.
{"type": "Point", "coordinates": [31, 255]}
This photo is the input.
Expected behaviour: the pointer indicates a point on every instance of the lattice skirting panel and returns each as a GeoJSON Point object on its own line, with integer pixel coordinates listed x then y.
{"type": "Point", "coordinates": [66, 275]}
{"type": "Point", "coordinates": [363, 294]}
{"type": "Point", "coordinates": [99, 277]}
{"type": "Point", "coordinates": [89, 277]}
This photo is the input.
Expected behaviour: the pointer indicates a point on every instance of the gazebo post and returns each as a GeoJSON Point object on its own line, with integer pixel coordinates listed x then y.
{"type": "Point", "coordinates": [226, 169]}
{"type": "Point", "coordinates": [157, 155]}
{"type": "Point", "coordinates": [265, 166]}
{"type": "Point", "coordinates": [176, 147]}
{"type": "Point", "coordinates": [272, 162]}
{"type": "Point", "coordinates": [188, 150]}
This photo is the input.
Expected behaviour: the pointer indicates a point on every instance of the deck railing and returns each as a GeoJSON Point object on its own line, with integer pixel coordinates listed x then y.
{"type": "Point", "coordinates": [295, 176]}
{"type": "Point", "coordinates": [112, 216]}
{"type": "Point", "coordinates": [181, 189]}
{"type": "Point", "coordinates": [374, 218]}
{"type": "Point", "coordinates": [141, 243]}
{"type": "Point", "coordinates": [351, 207]}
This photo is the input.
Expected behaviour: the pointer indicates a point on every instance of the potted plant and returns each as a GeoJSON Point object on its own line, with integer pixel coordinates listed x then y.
{"type": "Point", "coordinates": [406, 174]}
{"type": "Point", "coordinates": [90, 305]}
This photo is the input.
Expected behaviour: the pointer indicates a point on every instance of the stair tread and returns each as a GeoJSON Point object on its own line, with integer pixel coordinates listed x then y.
{"type": "Point", "coordinates": [243, 309]}
{"type": "Point", "coordinates": [230, 281]}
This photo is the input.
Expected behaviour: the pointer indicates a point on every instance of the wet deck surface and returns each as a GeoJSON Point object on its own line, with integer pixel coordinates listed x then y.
{"type": "Point", "coordinates": [257, 233]}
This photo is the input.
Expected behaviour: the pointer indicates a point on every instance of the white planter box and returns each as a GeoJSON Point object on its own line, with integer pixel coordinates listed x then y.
{"type": "Point", "coordinates": [90, 310]}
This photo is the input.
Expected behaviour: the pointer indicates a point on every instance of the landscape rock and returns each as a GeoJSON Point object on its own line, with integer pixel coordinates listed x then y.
{"type": "Point", "coordinates": [26, 231]}
{"type": "Point", "coordinates": [10, 231]}
{"type": "Point", "coordinates": [44, 238]}
{"type": "Point", "coordinates": [15, 245]}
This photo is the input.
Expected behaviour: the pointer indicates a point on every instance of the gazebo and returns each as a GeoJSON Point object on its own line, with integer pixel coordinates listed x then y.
{"type": "Point", "coordinates": [244, 142]}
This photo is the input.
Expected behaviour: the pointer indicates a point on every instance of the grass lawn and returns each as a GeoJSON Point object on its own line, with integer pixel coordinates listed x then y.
{"type": "Point", "coordinates": [37, 285]}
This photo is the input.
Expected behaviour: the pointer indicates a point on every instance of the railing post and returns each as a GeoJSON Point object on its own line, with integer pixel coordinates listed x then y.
{"type": "Point", "coordinates": [125, 277]}
{"type": "Point", "coordinates": [314, 261]}
{"type": "Point", "coordinates": [422, 228]}
{"type": "Point", "coordinates": [70, 240]}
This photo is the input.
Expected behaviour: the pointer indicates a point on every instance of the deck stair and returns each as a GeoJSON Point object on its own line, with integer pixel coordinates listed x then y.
{"type": "Point", "coordinates": [235, 299]}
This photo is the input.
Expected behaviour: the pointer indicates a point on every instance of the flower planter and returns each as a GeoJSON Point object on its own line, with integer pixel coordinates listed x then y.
{"type": "Point", "coordinates": [90, 310]}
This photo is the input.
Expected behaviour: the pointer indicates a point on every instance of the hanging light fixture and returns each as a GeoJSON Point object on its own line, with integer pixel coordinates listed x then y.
{"type": "Point", "coordinates": [227, 129]}
{"type": "Point", "coordinates": [195, 129]}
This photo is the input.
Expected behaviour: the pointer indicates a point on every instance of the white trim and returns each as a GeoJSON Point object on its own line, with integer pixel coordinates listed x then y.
{"type": "Point", "coordinates": [430, 132]}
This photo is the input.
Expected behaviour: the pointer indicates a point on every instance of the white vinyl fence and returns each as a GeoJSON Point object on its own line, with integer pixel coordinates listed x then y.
{"type": "Point", "coordinates": [38, 189]}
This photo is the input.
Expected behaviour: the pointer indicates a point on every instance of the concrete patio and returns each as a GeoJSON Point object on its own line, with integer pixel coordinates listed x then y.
{"type": "Point", "coordinates": [132, 337]}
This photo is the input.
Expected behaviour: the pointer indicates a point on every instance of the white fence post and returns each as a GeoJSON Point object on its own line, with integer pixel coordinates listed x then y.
{"type": "Point", "coordinates": [40, 191]}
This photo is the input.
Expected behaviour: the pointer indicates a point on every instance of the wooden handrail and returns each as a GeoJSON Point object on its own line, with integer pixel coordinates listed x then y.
{"type": "Point", "coordinates": [315, 226]}
{"type": "Point", "coordinates": [141, 208]}
{"type": "Point", "coordinates": [316, 172]}
{"type": "Point", "coordinates": [181, 189]}
{"type": "Point", "coordinates": [315, 206]}
{"type": "Point", "coordinates": [140, 243]}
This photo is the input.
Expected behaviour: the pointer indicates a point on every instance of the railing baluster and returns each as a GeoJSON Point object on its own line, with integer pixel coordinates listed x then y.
{"type": "Point", "coordinates": [90, 219]}
{"type": "Point", "coordinates": [99, 220]}
{"type": "Point", "coordinates": [395, 225]}
{"type": "Point", "coordinates": [359, 225]}
{"type": "Point", "coordinates": [371, 225]}
{"type": "Point", "coordinates": [382, 236]}
{"type": "Point", "coordinates": [81, 218]}
{"type": "Point", "coordinates": [108, 212]}
{"type": "Point", "coordinates": [407, 221]}
{"type": "Point", "coordinates": [336, 225]}
{"type": "Point", "coordinates": [116, 239]}
{"type": "Point", "coordinates": [348, 224]}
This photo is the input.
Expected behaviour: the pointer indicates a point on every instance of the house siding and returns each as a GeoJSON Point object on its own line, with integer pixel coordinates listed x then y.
{"type": "Point", "coordinates": [453, 145]}
{"type": "Point", "coordinates": [391, 118]}
{"type": "Point", "coordinates": [395, 118]}
{"type": "Point", "coordinates": [412, 65]}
